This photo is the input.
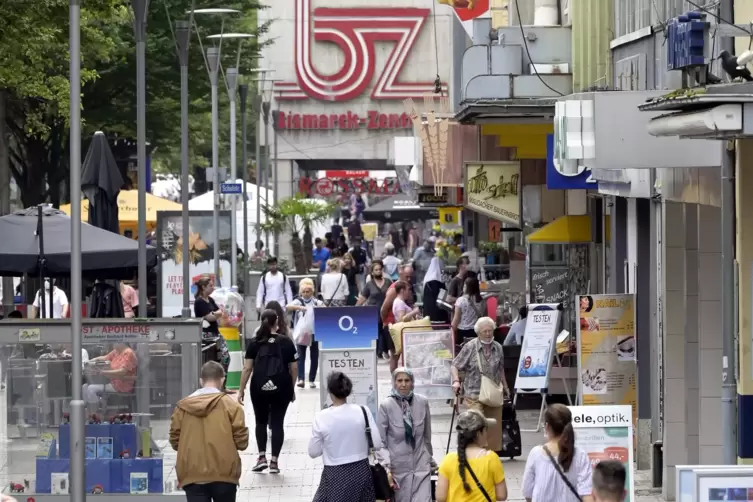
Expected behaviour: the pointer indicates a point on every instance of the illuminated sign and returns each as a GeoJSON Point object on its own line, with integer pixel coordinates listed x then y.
{"type": "Point", "coordinates": [326, 187]}
{"type": "Point", "coordinates": [356, 32]}
{"type": "Point", "coordinates": [347, 120]}
{"type": "Point", "coordinates": [432, 199]}
{"type": "Point", "coordinates": [345, 175]}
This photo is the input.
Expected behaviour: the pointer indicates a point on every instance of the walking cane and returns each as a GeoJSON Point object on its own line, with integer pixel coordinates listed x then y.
{"type": "Point", "coordinates": [452, 422]}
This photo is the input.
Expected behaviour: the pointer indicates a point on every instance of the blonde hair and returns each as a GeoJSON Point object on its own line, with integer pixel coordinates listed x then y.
{"type": "Point", "coordinates": [333, 265]}
{"type": "Point", "coordinates": [305, 283]}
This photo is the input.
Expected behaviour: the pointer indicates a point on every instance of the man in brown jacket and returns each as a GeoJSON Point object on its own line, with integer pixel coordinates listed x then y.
{"type": "Point", "coordinates": [207, 429]}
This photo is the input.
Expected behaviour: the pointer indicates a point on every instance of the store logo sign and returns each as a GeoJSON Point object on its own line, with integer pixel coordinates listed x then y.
{"type": "Point", "coordinates": [356, 32]}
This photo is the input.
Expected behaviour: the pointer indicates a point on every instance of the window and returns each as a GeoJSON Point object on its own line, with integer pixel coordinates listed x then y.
{"type": "Point", "coordinates": [633, 15]}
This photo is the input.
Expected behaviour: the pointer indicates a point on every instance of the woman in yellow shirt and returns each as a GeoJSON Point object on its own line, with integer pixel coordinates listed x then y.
{"type": "Point", "coordinates": [473, 474]}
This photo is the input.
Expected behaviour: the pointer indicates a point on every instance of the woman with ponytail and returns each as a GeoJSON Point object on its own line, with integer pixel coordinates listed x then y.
{"type": "Point", "coordinates": [474, 473]}
{"type": "Point", "coordinates": [558, 471]}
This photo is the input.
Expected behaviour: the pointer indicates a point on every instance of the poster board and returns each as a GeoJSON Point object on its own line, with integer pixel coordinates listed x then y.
{"type": "Point", "coordinates": [346, 327]}
{"type": "Point", "coordinates": [722, 483]}
{"type": "Point", "coordinates": [428, 354]}
{"type": "Point", "coordinates": [361, 367]}
{"type": "Point", "coordinates": [201, 245]}
{"type": "Point", "coordinates": [537, 351]}
{"type": "Point", "coordinates": [607, 350]}
{"type": "Point", "coordinates": [606, 433]}
{"type": "Point", "coordinates": [685, 478]}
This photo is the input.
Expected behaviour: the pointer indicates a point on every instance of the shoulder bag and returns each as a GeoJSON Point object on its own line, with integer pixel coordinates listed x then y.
{"type": "Point", "coordinates": [559, 470]}
{"type": "Point", "coordinates": [490, 394]}
{"type": "Point", "coordinates": [478, 483]}
{"type": "Point", "coordinates": [327, 303]}
{"type": "Point", "coordinates": [382, 487]}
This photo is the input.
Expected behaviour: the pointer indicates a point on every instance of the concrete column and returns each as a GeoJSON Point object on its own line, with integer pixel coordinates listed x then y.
{"type": "Point", "coordinates": [674, 312]}
{"type": "Point", "coordinates": [287, 187]}
{"type": "Point", "coordinates": [692, 232]}
{"type": "Point", "coordinates": [640, 256]}
{"type": "Point", "coordinates": [744, 255]}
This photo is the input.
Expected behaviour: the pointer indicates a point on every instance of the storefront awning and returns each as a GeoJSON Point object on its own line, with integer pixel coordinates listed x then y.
{"type": "Point", "coordinates": [566, 230]}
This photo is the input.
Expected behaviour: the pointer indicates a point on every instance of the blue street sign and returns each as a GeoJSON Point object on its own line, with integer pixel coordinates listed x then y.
{"type": "Point", "coordinates": [557, 180]}
{"type": "Point", "coordinates": [231, 188]}
{"type": "Point", "coordinates": [346, 327]}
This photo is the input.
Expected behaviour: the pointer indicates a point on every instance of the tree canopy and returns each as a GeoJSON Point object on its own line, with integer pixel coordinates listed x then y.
{"type": "Point", "coordinates": [34, 68]}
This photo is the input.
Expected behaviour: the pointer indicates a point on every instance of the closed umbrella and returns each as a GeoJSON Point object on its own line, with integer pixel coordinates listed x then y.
{"type": "Point", "coordinates": [101, 182]}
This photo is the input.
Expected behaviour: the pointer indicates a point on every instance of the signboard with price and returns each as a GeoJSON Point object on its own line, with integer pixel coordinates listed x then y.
{"type": "Point", "coordinates": [606, 433]}
{"type": "Point", "coordinates": [346, 327]}
{"type": "Point", "coordinates": [537, 351]}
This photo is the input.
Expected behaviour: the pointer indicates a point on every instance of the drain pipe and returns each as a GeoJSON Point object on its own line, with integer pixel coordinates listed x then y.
{"type": "Point", "coordinates": [729, 347]}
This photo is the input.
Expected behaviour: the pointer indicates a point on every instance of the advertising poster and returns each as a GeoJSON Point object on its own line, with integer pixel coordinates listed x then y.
{"type": "Point", "coordinates": [537, 351]}
{"type": "Point", "coordinates": [201, 245]}
{"type": "Point", "coordinates": [346, 327]}
{"type": "Point", "coordinates": [361, 367]}
{"type": "Point", "coordinates": [428, 354]}
{"type": "Point", "coordinates": [606, 433]}
{"type": "Point", "coordinates": [606, 350]}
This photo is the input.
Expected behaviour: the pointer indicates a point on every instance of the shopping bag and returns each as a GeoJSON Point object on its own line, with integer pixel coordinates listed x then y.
{"type": "Point", "coordinates": [304, 329]}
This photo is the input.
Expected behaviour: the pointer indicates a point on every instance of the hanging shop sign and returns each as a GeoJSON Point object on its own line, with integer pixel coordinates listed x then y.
{"type": "Point", "coordinates": [345, 120]}
{"type": "Point", "coordinates": [432, 199]}
{"type": "Point", "coordinates": [325, 187]}
{"type": "Point", "coordinates": [359, 34]}
{"type": "Point", "coordinates": [493, 189]}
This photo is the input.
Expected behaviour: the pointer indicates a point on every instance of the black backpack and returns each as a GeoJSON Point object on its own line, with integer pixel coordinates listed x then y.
{"type": "Point", "coordinates": [264, 289]}
{"type": "Point", "coordinates": [270, 374]}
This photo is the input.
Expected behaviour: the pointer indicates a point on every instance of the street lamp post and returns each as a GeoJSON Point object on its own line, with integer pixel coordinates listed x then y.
{"type": "Point", "coordinates": [243, 92]}
{"type": "Point", "coordinates": [183, 37]}
{"type": "Point", "coordinates": [213, 64]}
{"type": "Point", "coordinates": [231, 77]}
{"type": "Point", "coordinates": [78, 431]}
{"type": "Point", "coordinates": [140, 8]}
{"type": "Point", "coordinates": [257, 106]}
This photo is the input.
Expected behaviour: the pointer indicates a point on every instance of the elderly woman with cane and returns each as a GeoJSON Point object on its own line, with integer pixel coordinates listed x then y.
{"type": "Point", "coordinates": [404, 423]}
{"type": "Point", "coordinates": [480, 362]}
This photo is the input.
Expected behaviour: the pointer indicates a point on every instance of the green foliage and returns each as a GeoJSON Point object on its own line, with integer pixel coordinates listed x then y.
{"type": "Point", "coordinates": [34, 67]}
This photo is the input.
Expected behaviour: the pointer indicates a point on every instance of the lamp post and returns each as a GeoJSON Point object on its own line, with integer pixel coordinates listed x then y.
{"type": "Point", "coordinates": [140, 8]}
{"type": "Point", "coordinates": [257, 105]}
{"type": "Point", "coordinates": [243, 93]}
{"type": "Point", "coordinates": [78, 433]}
{"type": "Point", "coordinates": [183, 37]}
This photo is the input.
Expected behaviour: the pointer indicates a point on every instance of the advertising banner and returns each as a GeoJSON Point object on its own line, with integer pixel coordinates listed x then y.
{"type": "Point", "coordinates": [606, 350]}
{"type": "Point", "coordinates": [428, 354]}
{"type": "Point", "coordinates": [346, 327]}
{"type": "Point", "coordinates": [361, 367]}
{"type": "Point", "coordinates": [537, 351]}
{"type": "Point", "coordinates": [606, 433]}
{"type": "Point", "coordinates": [201, 245]}
{"type": "Point", "coordinates": [493, 189]}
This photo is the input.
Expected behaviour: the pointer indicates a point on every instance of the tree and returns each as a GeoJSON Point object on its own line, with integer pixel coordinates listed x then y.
{"type": "Point", "coordinates": [34, 75]}
{"type": "Point", "coordinates": [297, 215]}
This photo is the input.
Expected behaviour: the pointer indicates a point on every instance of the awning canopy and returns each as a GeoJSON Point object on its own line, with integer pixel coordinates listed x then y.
{"type": "Point", "coordinates": [507, 110]}
{"type": "Point", "coordinates": [566, 230]}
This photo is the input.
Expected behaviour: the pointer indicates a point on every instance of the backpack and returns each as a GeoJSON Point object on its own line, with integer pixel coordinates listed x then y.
{"type": "Point", "coordinates": [270, 372]}
{"type": "Point", "coordinates": [264, 288]}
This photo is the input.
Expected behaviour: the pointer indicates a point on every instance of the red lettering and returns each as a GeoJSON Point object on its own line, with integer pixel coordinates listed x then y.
{"type": "Point", "coordinates": [305, 185]}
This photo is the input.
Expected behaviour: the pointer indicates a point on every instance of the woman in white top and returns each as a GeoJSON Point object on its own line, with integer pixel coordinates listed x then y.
{"type": "Point", "coordinates": [299, 307]}
{"type": "Point", "coordinates": [557, 471]}
{"type": "Point", "coordinates": [334, 285]}
{"type": "Point", "coordinates": [339, 437]}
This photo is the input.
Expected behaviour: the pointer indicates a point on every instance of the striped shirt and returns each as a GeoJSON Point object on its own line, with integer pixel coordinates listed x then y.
{"type": "Point", "coordinates": [542, 482]}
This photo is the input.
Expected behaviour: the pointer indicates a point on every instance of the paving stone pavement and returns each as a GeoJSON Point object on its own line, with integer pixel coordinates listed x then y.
{"type": "Point", "coordinates": [300, 474]}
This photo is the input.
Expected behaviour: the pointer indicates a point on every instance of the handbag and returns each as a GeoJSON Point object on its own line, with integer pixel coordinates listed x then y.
{"type": "Point", "coordinates": [382, 487]}
{"type": "Point", "coordinates": [478, 483]}
{"type": "Point", "coordinates": [491, 394]}
{"type": "Point", "coordinates": [558, 468]}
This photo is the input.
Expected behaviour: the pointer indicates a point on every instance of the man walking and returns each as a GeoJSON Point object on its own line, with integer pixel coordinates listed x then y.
{"type": "Point", "coordinates": [609, 481]}
{"type": "Point", "coordinates": [207, 429]}
{"type": "Point", "coordinates": [273, 286]}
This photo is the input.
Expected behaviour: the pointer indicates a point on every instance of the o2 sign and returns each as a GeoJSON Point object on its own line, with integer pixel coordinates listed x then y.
{"type": "Point", "coordinates": [347, 323]}
{"type": "Point", "coordinates": [346, 327]}
{"type": "Point", "coordinates": [556, 179]}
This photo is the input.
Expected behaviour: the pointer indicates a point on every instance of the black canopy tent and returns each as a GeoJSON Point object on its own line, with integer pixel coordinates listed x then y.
{"type": "Point", "coordinates": [103, 254]}
{"type": "Point", "coordinates": [399, 208]}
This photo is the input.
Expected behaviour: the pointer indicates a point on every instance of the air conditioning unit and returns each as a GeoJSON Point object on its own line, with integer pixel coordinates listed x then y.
{"type": "Point", "coordinates": [714, 123]}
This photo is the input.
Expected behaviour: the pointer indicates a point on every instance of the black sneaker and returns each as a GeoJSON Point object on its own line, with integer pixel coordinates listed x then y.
{"type": "Point", "coordinates": [273, 467]}
{"type": "Point", "coordinates": [261, 465]}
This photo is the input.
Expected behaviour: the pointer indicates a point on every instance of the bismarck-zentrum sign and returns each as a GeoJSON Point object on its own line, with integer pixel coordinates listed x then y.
{"type": "Point", "coordinates": [356, 32]}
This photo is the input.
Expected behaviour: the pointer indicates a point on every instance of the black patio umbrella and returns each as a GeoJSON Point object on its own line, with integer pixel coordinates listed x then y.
{"type": "Point", "coordinates": [101, 182]}
{"type": "Point", "coordinates": [103, 254]}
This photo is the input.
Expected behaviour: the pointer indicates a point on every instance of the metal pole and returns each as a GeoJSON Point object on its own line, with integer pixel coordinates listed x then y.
{"type": "Point", "coordinates": [213, 59]}
{"type": "Point", "coordinates": [8, 290]}
{"type": "Point", "coordinates": [231, 77]}
{"type": "Point", "coordinates": [183, 35]}
{"type": "Point", "coordinates": [275, 168]}
{"type": "Point", "coordinates": [78, 433]}
{"type": "Point", "coordinates": [729, 383]}
{"type": "Point", "coordinates": [244, 166]}
{"type": "Point", "coordinates": [729, 348]}
{"type": "Point", "coordinates": [265, 108]}
{"type": "Point", "coordinates": [257, 123]}
{"type": "Point", "coordinates": [139, 30]}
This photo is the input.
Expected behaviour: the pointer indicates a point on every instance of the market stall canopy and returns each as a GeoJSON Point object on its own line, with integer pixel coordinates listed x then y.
{"type": "Point", "coordinates": [128, 210]}
{"type": "Point", "coordinates": [399, 207]}
{"type": "Point", "coordinates": [103, 254]}
{"type": "Point", "coordinates": [566, 230]}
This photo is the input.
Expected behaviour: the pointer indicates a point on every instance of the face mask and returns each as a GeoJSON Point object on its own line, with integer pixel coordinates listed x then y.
{"type": "Point", "coordinates": [47, 285]}
{"type": "Point", "coordinates": [485, 342]}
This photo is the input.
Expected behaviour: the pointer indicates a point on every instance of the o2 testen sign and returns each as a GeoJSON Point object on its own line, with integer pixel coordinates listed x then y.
{"type": "Point", "coordinates": [356, 32]}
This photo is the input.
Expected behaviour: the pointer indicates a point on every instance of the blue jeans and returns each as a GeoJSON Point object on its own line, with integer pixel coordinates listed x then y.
{"type": "Point", "coordinates": [314, 361]}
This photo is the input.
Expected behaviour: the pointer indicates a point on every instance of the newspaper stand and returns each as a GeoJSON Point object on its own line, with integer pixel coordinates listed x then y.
{"type": "Point", "coordinates": [126, 439]}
